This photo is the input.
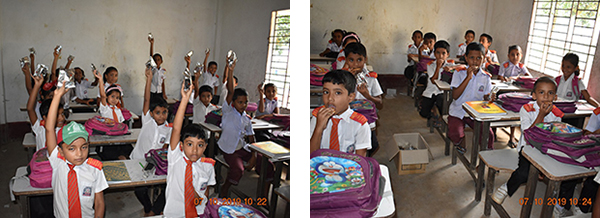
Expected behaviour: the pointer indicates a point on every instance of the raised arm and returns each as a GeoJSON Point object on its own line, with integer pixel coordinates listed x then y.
{"type": "Point", "coordinates": [39, 81]}
{"type": "Point", "coordinates": [53, 69]}
{"type": "Point", "coordinates": [95, 83]}
{"type": "Point", "coordinates": [147, 91]}
{"type": "Point", "coordinates": [101, 88]}
{"type": "Point", "coordinates": [261, 98]}
{"type": "Point", "coordinates": [205, 60]}
{"type": "Point", "coordinates": [51, 119]}
{"type": "Point", "coordinates": [197, 83]}
{"type": "Point", "coordinates": [69, 61]}
{"type": "Point", "coordinates": [178, 121]}
{"type": "Point", "coordinates": [32, 62]}
{"type": "Point", "coordinates": [151, 40]}
{"type": "Point", "coordinates": [27, 74]}
{"type": "Point", "coordinates": [230, 82]}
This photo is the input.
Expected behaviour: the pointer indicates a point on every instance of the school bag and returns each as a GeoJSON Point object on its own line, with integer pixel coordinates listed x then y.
{"type": "Point", "coordinates": [214, 117]}
{"type": "Point", "coordinates": [40, 171]}
{"type": "Point", "coordinates": [252, 107]}
{"type": "Point", "coordinates": [366, 108]}
{"type": "Point", "coordinates": [279, 119]}
{"type": "Point", "coordinates": [217, 207]}
{"type": "Point", "coordinates": [343, 184]}
{"type": "Point", "coordinates": [98, 125]}
{"type": "Point", "coordinates": [158, 157]}
{"type": "Point", "coordinates": [513, 101]}
{"type": "Point", "coordinates": [188, 110]}
{"type": "Point", "coordinates": [316, 74]}
{"type": "Point", "coordinates": [126, 113]}
{"type": "Point", "coordinates": [525, 82]}
{"type": "Point", "coordinates": [574, 85]}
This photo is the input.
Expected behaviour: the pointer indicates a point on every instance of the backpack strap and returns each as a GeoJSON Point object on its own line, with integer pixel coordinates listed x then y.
{"type": "Point", "coordinates": [557, 80]}
{"type": "Point", "coordinates": [207, 160]}
{"type": "Point", "coordinates": [557, 112]}
{"type": "Point", "coordinates": [94, 163]}
{"type": "Point", "coordinates": [358, 118]}
{"type": "Point", "coordinates": [575, 86]}
{"type": "Point", "coordinates": [316, 111]}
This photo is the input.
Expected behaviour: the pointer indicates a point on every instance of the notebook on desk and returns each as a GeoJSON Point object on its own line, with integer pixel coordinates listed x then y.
{"type": "Point", "coordinates": [485, 108]}
{"type": "Point", "coordinates": [115, 172]}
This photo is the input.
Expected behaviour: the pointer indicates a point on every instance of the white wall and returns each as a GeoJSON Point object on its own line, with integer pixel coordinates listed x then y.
{"type": "Point", "coordinates": [509, 26]}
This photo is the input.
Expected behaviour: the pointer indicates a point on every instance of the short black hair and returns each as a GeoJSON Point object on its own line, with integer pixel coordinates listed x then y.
{"type": "Point", "coordinates": [356, 48]}
{"type": "Point", "coordinates": [236, 79]}
{"type": "Point", "coordinates": [442, 44]}
{"type": "Point", "coordinates": [205, 88]}
{"type": "Point", "coordinates": [430, 35]}
{"type": "Point", "coordinates": [192, 130]}
{"type": "Point", "coordinates": [573, 59]}
{"type": "Point", "coordinates": [513, 47]}
{"type": "Point", "coordinates": [341, 77]}
{"type": "Point", "coordinates": [270, 85]}
{"type": "Point", "coordinates": [350, 33]}
{"type": "Point", "coordinates": [239, 92]}
{"type": "Point", "coordinates": [544, 79]}
{"type": "Point", "coordinates": [213, 63]}
{"type": "Point", "coordinates": [45, 107]}
{"type": "Point", "coordinates": [489, 38]}
{"type": "Point", "coordinates": [156, 55]}
{"type": "Point", "coordinates": [114, 90]}
{"type": "Point", "coordinates": [82, 72]}
{"type": "Point", "coordinates": [157, 102]}
{"type": "Point", "coordinates": [417, 32]}
{"type": "Point", "coordinates": [471, 32]}
{"type": "Point", "coordinates": [108, 70]}
{"type": "Point", "coordinates": [338, 31]}
{"type": "Point", "coordinates": [474, 46]}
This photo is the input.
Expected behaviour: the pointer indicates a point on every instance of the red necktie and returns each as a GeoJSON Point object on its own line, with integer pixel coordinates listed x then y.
{"type": "Point", "coordinates": [115, 117]}
{"type": "Point", "coordinates": [74, 205]}
{"type": "Point", "coordinates": [334, 142]}
{"type": "Point", "coordinates": [190, 207]}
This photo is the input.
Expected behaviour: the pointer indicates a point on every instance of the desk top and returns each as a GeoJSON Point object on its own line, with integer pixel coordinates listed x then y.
{"type": "Point", "coordinates": [554, 169]}
{"type": "Point", "coordinates": [502, 159]}
{"type": "Point", "coordinates": [386, 206]}
{"type": "Point", "coordinates": [273, 157]}
{"type": "Point", "coordinates": [514, 116]}
{"type": "Point", "coordinates": [29, 139]}
{"type": "Point", "coordinates": [444, 86]}
{"type": "Point", "coordinates": [21, 185]}
{"type": "Point", "coordinates": [257, 124]}
{"type": "Point", "coordinates": [72, 104]}
{"type": "Point", "coordinates": [82, 117]}
{"type": "Point", "coordinates": [316, 57]}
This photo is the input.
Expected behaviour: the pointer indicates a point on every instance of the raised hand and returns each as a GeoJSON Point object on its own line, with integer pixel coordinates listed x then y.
{"type": "Point", "coordinates": [260, 90]}
{"type": "Point", "coordinates": [323, 116]}
{"type": "Point", "coordinates": [148, 72]}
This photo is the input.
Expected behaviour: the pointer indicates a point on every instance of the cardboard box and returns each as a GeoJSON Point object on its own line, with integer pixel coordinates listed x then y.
{"type": "Point", "coordinates": [410, 161]}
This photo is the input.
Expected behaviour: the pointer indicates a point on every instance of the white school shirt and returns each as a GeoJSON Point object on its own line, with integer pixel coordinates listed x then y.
{"type": "Point", "coordinates": [594, 122]}
{"type": "Point", "coordinates": [479, 85]}
{"type": "Point", "coordinates": [492, 54]}
{"type": "Point", "coordinates": [374, 90]}
{"type": "Point", "coordinates": [354, 132]}
{"type": "Point", "coordinates": [106, 111]}
{"type": "Point", "coordinates": [270, 106]}
{"type": "Point", "coordinates": [235, 127]}
{"type": "Point", "coordinates": [413, 49]}
{"type": "Point", "coordinates": [152, 136]}
{"type": "Point", "coordinates": [462, 49]}
{"type": "Point", "coordinates": [431, 88]}
{"type": "Point", "coordinates": [340, 60]}
{"type": "Point", "coordinates": [565, 88]}
{"type": "Point", "coordinates": [223, 95]}
{"type": "Point", "coordinates": [81, 89]}
{"type": "Point", "coordinates": [210, 80]}
{"type": "Point", "coordinates": [200, 111]}
{"type": "Point", "coordinates": [90, 180]}
{"type": "Point", "coordinates": [508, 69]}
{"type": "Point", "coordinates": [529, 113]}
{"type": "Point", "coordinates": [203, 173]}
{"type": "Point", "coordinates": [158, 77]}
{"type": "Point", "coordinates": [40, 134]}
{"type": "Point", "coordinates": [334, 47]}
{"type": "Point", "coordinates": [37, 110]}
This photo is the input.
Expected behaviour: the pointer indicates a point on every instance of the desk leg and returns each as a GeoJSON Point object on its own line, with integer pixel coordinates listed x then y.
{"type": "Point", "coordinates": [446, 103]}
{"type": "Point", "coordinates": [480, 173]}
{"type": "Point", "coordinates": [551, 193]}
{"type": "Point", "coordinates": [529, 191]}
{"type": "Point", "coordinates": [261, 179]}
{"type": "Point", "coordinates": [24, 201]}
{"type": "Point", "coordinates": [212, 145]}
{"type": "Point", "coordinates": [476, 143]}
{"type": "Point", "coordinates": [489, 190]}
{"type": "Point", "coordinates": [276, 184]}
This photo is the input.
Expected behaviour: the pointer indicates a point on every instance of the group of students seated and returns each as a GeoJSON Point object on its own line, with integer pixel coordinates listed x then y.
{"type": "Point", "coordinates": [78, 181]}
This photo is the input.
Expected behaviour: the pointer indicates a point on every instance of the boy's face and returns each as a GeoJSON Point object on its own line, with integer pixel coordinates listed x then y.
{"type": "Point", "coordinates": [212, 69]}
{"type": "Point", "coordinates": [469, 38]}
{"type": "Point", "coordinates": [193, 148]}
{"type": "Point", "coordinates": [484, 42]}
{"type": "Point", "coordinates": [113, 98]}
{"type": "Point", "coordinates": [271, 92]}
{"type": "Point", "coordinates": [544, 93]}
{"type": "Point", "coordinates": [474, 58]}
{"type": "Point", "coordinates": [429, 43]}
{"type": "Point", "coordinates": [158, 60]}
{"type": "Point", "coordinates": [159, 114]}
{"type": "Point", "coordinates": [60, 119]}
{"type": "Point", "coordinates": [441, 54]}
{"type": "Point", "coordinates": [336, 95]}
{"type": "Point", "coordinates": [515, 56]}
{"type": "Point", "coordinates": [350, 40]}
{"type": "Point", "coordinates": [355, 61]}
{"type": "Point", "coordinates": [76, 152]}
{"type": "Point", "coordinates": [78, 75]}
{"type": "Point", "coordinates": [205, 98]}
{"type": "Point", "coordinates": [112, 77]}
{"type": "Point", "coordinates": [417, 39]}
{"type": "Point", "coordinates": [240, 103]}
{"type": "Point", "coordinates": [337, 38]}
{"type": "Point", "coordinates": [567, 67]}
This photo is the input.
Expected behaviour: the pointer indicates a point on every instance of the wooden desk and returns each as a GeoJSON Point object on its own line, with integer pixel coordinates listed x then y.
{"type": "Point", "coordinates": [22, 189]}
{"type": "Point", "coordinates": [555, 171]}
{"type": "Point", "coordinates": [72, 105]}
{"type": "Point", "coordinates": [386, 207]}
{"type": "Point", "coordinates": [257, 124]}
{"type": "Point", "coordinates": [278, 161]}
{"type": "Point", "coordinates": [317, 58]}
{"type": "Point", "coordinates": [496, 160]}
{"type": "Point", "coordinates": [82, 117]}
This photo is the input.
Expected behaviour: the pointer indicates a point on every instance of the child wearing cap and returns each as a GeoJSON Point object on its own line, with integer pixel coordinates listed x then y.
{"type": "Point", "coordinates": [78, 182]}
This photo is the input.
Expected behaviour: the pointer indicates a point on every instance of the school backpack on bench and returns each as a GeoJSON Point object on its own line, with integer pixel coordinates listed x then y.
{"type": "Point", "coordinates": [217, 207]}
{"type": "Point", "coordinates": [344, 184]}
{"type": "Point", "coordinates": [98, 125]}
{"type": "Point", "coordinates": [525, 82]}
{"type": "Point", "coordinates": [513, 101]}
{"type": "Point", "coordinates": [316, 74]}
{"type": "Point", "coordinates": [188, 110]}
{"type": "Point", "coordinates": [40, 171]}
{"type": "Point", "coordinates": [158, 157]}
{"type": "Point", "coordinates": [366, 108]}
{"type": "Point", "coordinates": [214, 117]}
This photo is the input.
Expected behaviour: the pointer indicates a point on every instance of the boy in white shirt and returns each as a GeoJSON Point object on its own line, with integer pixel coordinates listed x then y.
{"type": "Point", "coordinates": [490, 55]}
{"type": "Point", "coordinates": [211, 78]}
{"type": "Point", "coordinates": [77, 181]}
{"type": "Point", "coordinates": [38, 122]}
{"type": "Point", "coordinates": [202, 105]}
{"type": "Point", "coordinates": [462, 47]}
{"type": "Point", "coordinates": [413, 52]}
{"type": "Point", "coordinates": [159, 73]}
{"type": "Point", "coordinates": [426, 50]}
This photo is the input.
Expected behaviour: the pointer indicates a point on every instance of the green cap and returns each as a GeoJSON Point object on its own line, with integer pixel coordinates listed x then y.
{"type": "Point", "coordinates": [72, 131]}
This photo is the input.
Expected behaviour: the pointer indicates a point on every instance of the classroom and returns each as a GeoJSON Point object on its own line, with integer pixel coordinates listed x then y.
{"type": "Point", "coordinates": [145, 153]}
{"type": "Point", "coordinates": [429, 109]}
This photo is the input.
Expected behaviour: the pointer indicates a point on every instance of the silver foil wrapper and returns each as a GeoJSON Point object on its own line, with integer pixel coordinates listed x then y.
{"type": "Point", "coordinates": [187, 79]}
{"type": "Point", "coordinates": [151, 63]}
{"type": "Point", "coordinates": [361, 78]}
{"type": "Point", "coordinates": [71, 83]}
{"type": "Point", "coordinates": [93, 67]}
{"type": "Point", "coordinates": [58, 48]}
{"type": "Point", "coordinates": [24, 61]}
{"type": "Point", "coordinates": [199, 68]}
{"type": "Point", "coordinates": [70, 58]}
{"type": "Point", "coordinates": [150, 36]}
{"type": "Point", "coordinates": [31, 50]}
{"type": "Point", "coordinates": [41, 70]}
{"type": "Point", "coordinates": [231, 57]}
{"type": "Point", "coordinates": [207, 51]}
{"type": "Point", "coordinates": [62, 78]}
{"type": "Point", "coordinates": [190, 53]}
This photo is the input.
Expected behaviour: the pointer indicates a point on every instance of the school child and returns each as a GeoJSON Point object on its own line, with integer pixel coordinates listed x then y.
{"type": "Point", "coordinates": [236, 125]}
{"type": "Point", "coordinates": [513, 67]}
{"type": "Point", "coordinates": [54, 70]}
{"type": "Point", "coordinates": [350, 37]}
{"type": "Point", "coordinates": [202, 105]}
{"type": "Point", "coordinates": [426, 50]}
{"type": "Point", "coordinates": [81, 87]}
{"type": "Point", "coordinates": [110, 77]}
{"type": "Point", "coordinates": [267, 104]}
{"type": "Point", "coordinates": [78, 182]}
{"type": "Point", "coordinates": [211, 78]}
{"type": "Point", "coordinates": [413, 51]}
{"type": "Point", "coordinates": [570, 87]}
{"type": "Point", "coordinates": [224, 90]}
{"type": "Point", "coordinates": [334, 125]}
{"type": "Point", "coordinates": [189, 173]}
{"type": "Point", "coordinates": [490, 55]}
{"type": "Point", "coordinates": [110, 107]}
{"type": "Point", "coordinates": [462, 47]}
{"type": "Point", "coordinates": [159, 73]}
{"type": "Point", "coordinates": [335, 44]}
{"type": "Point", "coordinates": [432, 95]}
{"type": "Point", "coordinates": [37, 122]}
{"type": "Point", "coordinates": [46, 91]}
{"type": "Point", "coordinates": [472, 84]}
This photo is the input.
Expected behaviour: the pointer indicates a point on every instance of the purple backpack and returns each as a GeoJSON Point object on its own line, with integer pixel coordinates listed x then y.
{"type": "Point", "coordinates": [98, 125]}
{"type": "Point", "coordinates": [279, 119]}
{"type": "Point", "coordinates": [217, 207]}
{"type": "Point", "coordinates": [513, 101]}
{"type": "Point", "coordinates": [343, 184]}
{"type": "Point", "coordinates": [422, 65]}
{"type": "Point", "coordinates": [316, 74]}
{"type": "Point", "coordinates": [41, 171]}
{"type": "Point", "coordinates": [214, 117]}
{"type": "Point", "coordinates": [158, 157]}
{"type": "Point", "coordinates": [526, 82]}
{"type": "Point", "coordinates": [366, 108]}
{"type": "Point", "coordinates": [188, 110]}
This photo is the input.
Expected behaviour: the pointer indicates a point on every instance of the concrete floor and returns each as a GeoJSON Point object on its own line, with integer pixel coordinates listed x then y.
{"type": "Point", "coordinates": [444, 190]}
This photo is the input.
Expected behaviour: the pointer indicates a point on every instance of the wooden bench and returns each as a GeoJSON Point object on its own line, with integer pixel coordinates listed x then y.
{"type": "Point", "coordinates": [284, 193]}
{"type": "Point", "coordinates": [495, 160]}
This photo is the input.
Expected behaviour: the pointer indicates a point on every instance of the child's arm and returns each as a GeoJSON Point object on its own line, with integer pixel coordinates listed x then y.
{"type": "Point", "coordinates": [146, 106]}
{"type": "Point", "coordinates": [436, 73]}
{"type": "Point", "coordinates": [327, 50]}
{"type": "Point", "coordinates": [322, 118]}
{"type": "Point", "coordinates": [95, 83]}
{"type": "Point", "coordinates": [51, 119]}
{"type": "Point", "coordinates": [545, 109]}
{"type": "Point", "coordinates": [101, 88]}
{"type": "Point", "coordinates": [458, 91]}
{"type": "Point", "coordinates": [362, 152]}
{"type": "Point", "coordinates": [31, 101]}
{"type": "Point", "coordinates": [32, 62]}
{"type": "Point", "coordinates": [261, 99]}
{"type": "Point", "coordinates": [589, 98]}
{"type": "Point", "coordinates": [53, 70]}
{"type": "Point", "coordinates": [364, 90]}
{"type": "Point", "coordinates": [163, 90]}
{"type": "Point", "coordinates": [178, 121]}
{"type": "Point", "coordinates": [197, 84]}
{"type": "Point", "coordinates": [99, 206]}
{"type": "Point", "coordinates": [229, 72]}
{"type": "Point", "coordinates": [205, 60]}
{"type": "Point", "coordinates": [69, 62]}
{"type": "Point", "coordinates": [151, 40]}
{"type": "Point", "coordinates": [27, 74]}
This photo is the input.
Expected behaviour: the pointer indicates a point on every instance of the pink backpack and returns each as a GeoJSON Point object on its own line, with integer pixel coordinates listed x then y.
{"type": "Point", "coordinates": [574, 85]}
{"type": "Point", "coordinates": [126, 113]}
{"type": "Point", "coordinates": [40, 170]}
{"type": "Point", "coordinates": [98, 125]}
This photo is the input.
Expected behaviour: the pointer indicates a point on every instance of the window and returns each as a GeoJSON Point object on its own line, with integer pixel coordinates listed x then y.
{"type": "Point", "coordinates": [277, 60]}
{"type": "Point", "coordinates": [560, 27]}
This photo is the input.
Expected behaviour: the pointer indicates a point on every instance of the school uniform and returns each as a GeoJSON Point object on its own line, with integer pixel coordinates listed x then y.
{"type": "Point", "coordinates": [340, 60]}
{"type": "Point", "coordinates": [333, 47]}
{"type": "Point", "coordinates": [235, 127]}
{"type": "Point", "coordinates": [81, 89]}
{"type": "Point", "coordinates": [158, 77]}
{"type": "Point", "coordinates": [37, 110]}
{"type": "Point", "coordinates": [39, 131]}
{"type": "Point", "coordinates": [492, 54]}
{"type": "Point", "coordinates": [90, 180]}
{"type": "Point", "coordinates": [109, 111]}
{"type": "Point", "coordinates": [565, 88]}
{"type": "Point", "coordinates": [432, 95]}
{"type": "Point", "coordinates": [462, 49]}
{"type": "Point", "coordinates": [152, 136]}
{"type": "Point", "coordinates": [413, 49]}
{"type": "Point", "coordinates": [508, 69]}
{"type": "Point", "coordinates": [270, 106]}
{"type": "Point", "coordinates": [210, 79]}
{"type": "Point", "coordinates": [352, 130]}
{"type": "Point", "coordinates": [223, 95]}
{"type": "Point", "coordinates": [200, 111]}
{"type": "Point", "coordinates": [373, 87]}
{"type": "Point", "coordinates": [203, 172]}
{"type": "Point", "coordinates": [594, 122]}
{"type": "Point", "coordinates": [479, 85]}
{"type": "Point", "coordinates": [112, 152]}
